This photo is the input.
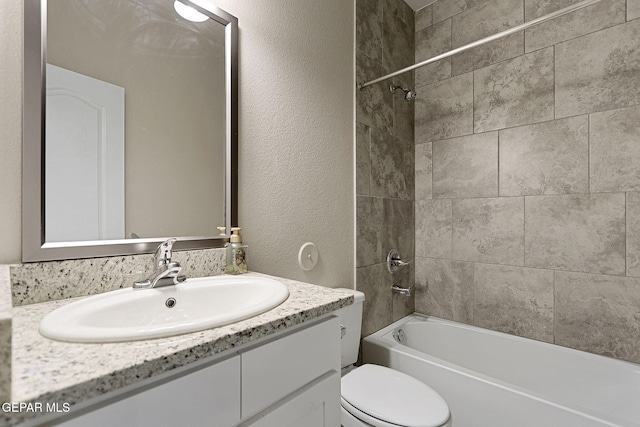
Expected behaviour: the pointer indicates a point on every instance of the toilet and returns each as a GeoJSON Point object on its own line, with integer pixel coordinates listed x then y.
{"type": "Point", "coordinates": [373, 395]}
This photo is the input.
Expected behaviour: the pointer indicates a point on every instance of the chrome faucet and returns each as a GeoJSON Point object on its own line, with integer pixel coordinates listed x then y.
{"type": "Point", "coordinates": [394, 261]}
{"type": "Point", "coordinates": [166, 272]}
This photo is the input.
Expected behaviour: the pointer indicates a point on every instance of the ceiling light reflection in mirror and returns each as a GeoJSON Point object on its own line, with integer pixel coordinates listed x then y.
{"type": "Point", "coordinates": [189, 13]}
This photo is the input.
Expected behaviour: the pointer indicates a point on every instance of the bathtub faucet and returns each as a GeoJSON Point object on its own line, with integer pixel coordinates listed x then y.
{"type": "Point", "coordinates": [394, 261]}
{"type": "Point", "coordinates": [395, 289]}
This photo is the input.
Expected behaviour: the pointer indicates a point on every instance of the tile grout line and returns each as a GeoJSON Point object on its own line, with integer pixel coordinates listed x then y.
{"type": "Point", "coordinates": [588, 153]}
{"type": "Point", "coordinates": [555, 317]}
{"type": "Point", "coordinates": [498, 192]}
{"type": "Point", "coordinates": [473, 294]}
{"type": "Point", "coordinates": [524, 231]}
{"type": "Point", "coordinates": [524, 33]}
{"type": "Point", "coordinates": [555, 94]}
{"type": "Point", "coordinates": [432, 170]}
{"type": "Point", "coordinates": [451, 243]}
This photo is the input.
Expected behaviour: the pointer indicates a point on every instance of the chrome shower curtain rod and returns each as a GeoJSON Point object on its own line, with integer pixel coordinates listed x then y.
{"type": "Point", "coordinates": [477, 43]}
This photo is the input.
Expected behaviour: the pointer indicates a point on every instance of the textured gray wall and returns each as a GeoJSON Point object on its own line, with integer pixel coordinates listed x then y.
{"type": "Point", "coordinates": [296, 135]}
{"type": "Point", "coordinates": [10, 130]}
{"type": "Point", "coordinates": [527, 209]}
{"type": "Point", "coordinates": [385, 158]}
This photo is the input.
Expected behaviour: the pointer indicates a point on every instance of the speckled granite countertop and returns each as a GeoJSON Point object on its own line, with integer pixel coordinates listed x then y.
{"type": "Point", "coordinates": [50, 371]}
{"type": "Point", "coordinates": [5, 334]}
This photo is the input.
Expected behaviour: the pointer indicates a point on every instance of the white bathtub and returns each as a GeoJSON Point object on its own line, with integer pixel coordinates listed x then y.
{"type": "Point", "coordinates": [490, 379]}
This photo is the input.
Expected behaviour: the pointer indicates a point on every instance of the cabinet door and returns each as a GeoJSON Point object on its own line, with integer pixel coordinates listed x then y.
{"type": "Point", "coordinates": [207, 397]}
{"type": "Point", "coordinates": [316, 405]}
{"type": "Point", "coordinates": [276, 369]}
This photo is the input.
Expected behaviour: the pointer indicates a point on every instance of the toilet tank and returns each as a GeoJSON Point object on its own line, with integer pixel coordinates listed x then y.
{"type": "Point", "coordinates": [351, 320]}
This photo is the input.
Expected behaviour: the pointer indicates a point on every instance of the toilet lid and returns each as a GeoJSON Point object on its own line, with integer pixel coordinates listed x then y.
{"type": "Point", "coordinates": [394, 397]}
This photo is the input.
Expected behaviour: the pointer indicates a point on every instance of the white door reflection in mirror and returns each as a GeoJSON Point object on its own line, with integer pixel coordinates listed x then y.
{"type": "Point", "coordinates": [84, 170]}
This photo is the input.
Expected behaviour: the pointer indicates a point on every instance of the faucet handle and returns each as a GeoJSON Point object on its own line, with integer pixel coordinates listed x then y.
{"type": "Point", "coordinates": [394, 261]}
{"type": "Point", "coordinates": [163, 253]}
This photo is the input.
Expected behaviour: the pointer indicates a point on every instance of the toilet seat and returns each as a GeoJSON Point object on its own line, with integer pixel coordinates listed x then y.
{"type": "Point", "coordinates": [384, 397]}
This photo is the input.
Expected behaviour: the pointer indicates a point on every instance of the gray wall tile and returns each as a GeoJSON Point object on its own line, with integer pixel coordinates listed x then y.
{"type": "Point", "coordinates": [633, 9]}
{"type": "Point", "coordinates": [431, 42]}
{"type": "Point", "coordinates": [403, 111]}
{"type": "Point", "coordinates": [443, 9]}
{"type": "Point", "coordinates": [487, 54]}
{"type": "Point", "coordinates": [385, 153]}
{"type": "Point", "coordinates": [387, 165]}
{"type": "Point", "coordinates": [447, 111]}
{"type": "Point", "coordinates": [489, 230]}
{"type": "Point", "coordinates": [599, 71]}
{"type": "Point", "coordinates": [584, 21]}
{"type": "Point", "coordinates": [559, 141]}
{"type": "Point", "coordinates": [363, 159]}
{"type": "Point", "coordinates": [433, 228]}
{"type": "Point", "coordinates": [514, 92]}
{"type": "Point", "coordinates": [369, 229]}
{"type": "Point", "coordinates": [409, 170]}
{"type": "Point", "coordinates": [397, 35]}
{"type": "Point", "coordinates": [444, 288]}
{"type": "Point", "coordinates": [576, 232]}
{"type": "Point", "coordinates": [423, 172]}
{"type": "Point", "coordinates": [615, 150]}
{"type": "Point", "coordinates": [482, 21]}
{"type": "Point", "coordinates": [398, 227]}
{"type": "Point", "coordinates": [633, 234]}
{"type": "Point", "coordinates": [374, 105]}
{"type": "Point", "coordinates": [514, 300]}
{"type": "Point", "coordinates": [401, 10]}
{"type": "Point", "coordinates": [375, 281]}
{"type": "Point", "coordinates": [599, 314]}
{"type": "Point", "coordinates": [466, 166]}
{"type": "Point", "coordinates": [424, 18]}
{"type": "Point", "coordinates": [545, 158]}
{"type": "Point", "coordinates": [369, 28]}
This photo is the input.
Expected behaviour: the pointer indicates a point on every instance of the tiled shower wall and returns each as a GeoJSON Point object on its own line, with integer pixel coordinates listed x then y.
{"type": "Point", "coordinates": [385, 159]}
{"type": "Point", "coordinates": [527, 172]}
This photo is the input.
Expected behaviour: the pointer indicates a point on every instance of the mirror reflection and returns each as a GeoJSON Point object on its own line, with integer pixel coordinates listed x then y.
{"type": "Point", "coordinates": [135, 122]}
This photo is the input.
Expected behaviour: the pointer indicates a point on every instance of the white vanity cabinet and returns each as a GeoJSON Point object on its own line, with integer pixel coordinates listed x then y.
{"type": "Point", "coordinates": [292, 379]}
{"type": "Point", "coordinates": [316, 405]}
{"type": "Point", "coordinates": [207, 397]}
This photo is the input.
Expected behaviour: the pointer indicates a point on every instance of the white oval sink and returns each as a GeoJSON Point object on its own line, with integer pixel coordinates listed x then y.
{"type": "Point", "coordinates": [138, 314]}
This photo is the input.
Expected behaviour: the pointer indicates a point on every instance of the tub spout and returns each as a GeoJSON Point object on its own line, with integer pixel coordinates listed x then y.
{"type": "Point", "coordinates": [402, 291]}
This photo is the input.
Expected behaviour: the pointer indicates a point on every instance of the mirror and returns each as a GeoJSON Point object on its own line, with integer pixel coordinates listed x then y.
{"type": "Point", "coordinates": [130, 127]}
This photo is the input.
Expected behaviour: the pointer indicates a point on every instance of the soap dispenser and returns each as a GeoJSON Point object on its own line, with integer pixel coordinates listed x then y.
{"type": "Point", "coordinates": [223, 235]}
{"type": "Point", "coordinates": [236, 253]}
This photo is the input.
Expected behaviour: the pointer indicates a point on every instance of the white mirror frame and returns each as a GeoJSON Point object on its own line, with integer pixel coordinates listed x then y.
{"type": "Point", "coordinates": [34, 246]}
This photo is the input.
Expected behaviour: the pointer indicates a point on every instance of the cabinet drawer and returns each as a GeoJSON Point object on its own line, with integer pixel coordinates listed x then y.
{"type": "Point", "coordinates": [316, 405]}
{"type": "Point", "coordinates": [278, 368]}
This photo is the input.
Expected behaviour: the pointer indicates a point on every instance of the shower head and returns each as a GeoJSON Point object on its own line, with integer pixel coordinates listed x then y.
{"type": "Point", "coordinates": [409, 95]}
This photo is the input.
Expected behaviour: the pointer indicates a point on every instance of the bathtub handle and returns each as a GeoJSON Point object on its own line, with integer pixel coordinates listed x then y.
{"type": "Point", "coordinates": [394, 261]}
{"type": "Point", "coordinates": [402, 291]}
{"type": "Point", "coordinates": [400, 263]}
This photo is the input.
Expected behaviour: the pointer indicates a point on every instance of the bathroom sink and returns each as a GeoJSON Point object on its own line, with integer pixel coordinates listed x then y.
{"type": "Point", "coordinates": [138, 314]}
